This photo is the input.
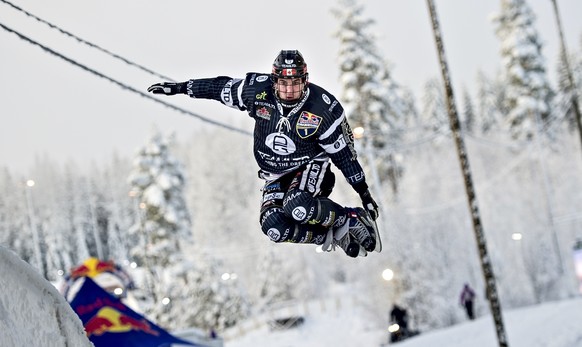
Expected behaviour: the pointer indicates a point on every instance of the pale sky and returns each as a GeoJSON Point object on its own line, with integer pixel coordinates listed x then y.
{"type": "Point", "coordinates": [50, 107]}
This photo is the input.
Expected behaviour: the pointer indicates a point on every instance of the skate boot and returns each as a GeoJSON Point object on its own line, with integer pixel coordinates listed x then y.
{"type": "Point", "coordinates": [342, 238]}
{"type": "Point", "coordinates": [363, 229]}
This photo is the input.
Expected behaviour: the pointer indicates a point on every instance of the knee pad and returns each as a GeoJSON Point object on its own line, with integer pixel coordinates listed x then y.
{"type": "Point", "coordinates": [300, 206]}
{"type": "Point", "coordinates": [307, 209]}
{"type": "Point", "coordinates": [276, 225]}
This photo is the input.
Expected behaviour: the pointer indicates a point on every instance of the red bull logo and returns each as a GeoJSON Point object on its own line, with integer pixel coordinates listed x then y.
{"type": "Point", "coordinates": [92, 267]}
{"type": "Point", "coordinates": [110, 320]}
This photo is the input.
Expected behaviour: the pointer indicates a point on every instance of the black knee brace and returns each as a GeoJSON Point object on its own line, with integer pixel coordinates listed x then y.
{"type": "Point", "coordinates": [307, 209]}
{"type": "Point", "coordinates": [276, 225]}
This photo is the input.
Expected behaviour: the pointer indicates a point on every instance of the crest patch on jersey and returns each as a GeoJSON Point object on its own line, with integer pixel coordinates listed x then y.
{"type": "Point", "coordinates": [264, 113]}
{"type": "Point", "coordinates": [307, 124]}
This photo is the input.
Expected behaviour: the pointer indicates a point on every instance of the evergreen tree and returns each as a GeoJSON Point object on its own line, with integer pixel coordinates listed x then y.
{"type": "Point", "coordinates": [157, 180]}
{"type": "Point", "coordinates": [14, 225]}
{"type": "Point", "coordinates": [120, 211]}
{"type": "Point", "coordinates": [562, 107]}
{"type": "Point", "coordinates": [528, 91]}
{"type": "Point", "coordinates": [490, 99]}
{"type": "Point", "coordinates": [372, 99]}
{"type": "Point", "coordinates": [434, 110]}
{"type": "Point", "coordinates": [203, 297]}
{"type": "Point", "coordinates": [468, 114]}
{"type": "Point", "coordinates": [275, 282]}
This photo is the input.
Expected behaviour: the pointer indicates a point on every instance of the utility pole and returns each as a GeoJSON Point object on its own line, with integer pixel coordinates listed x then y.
{"type": "Point", "coordinates": [573, 89]}
{"type": "Point", "coordinates": [471, 196]}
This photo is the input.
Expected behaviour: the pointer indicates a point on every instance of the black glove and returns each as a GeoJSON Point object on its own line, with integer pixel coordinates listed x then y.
{"type": "Point", "coordinates": [369, 204]}
{"type": "Point", "coordinates": [167, 88]}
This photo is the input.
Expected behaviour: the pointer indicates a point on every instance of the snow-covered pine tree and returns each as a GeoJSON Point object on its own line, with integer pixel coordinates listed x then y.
{"type": "Point", "coordinates": [562, 104]}
{"type": "Point", "coordinates": [275, 282]}
{"type": "Point", "coordinates": [208, 297]}
{"type": "Point", "coordinates": [434, 106]}
{"type": "Point", "coordinates": [372, 99]}
{"type": "Point", "coordinates": [528, 91]}
{"type": "Point", "coordinates": [468, 114]}
{"type": "Point", "coordinates": [14, 225]}
{"type": "Point", "coordinates": [119, 209]}
{"type": "Point", "coordinates": [157, 181]}
{"type": "Point", "coordinates": [490, 105]}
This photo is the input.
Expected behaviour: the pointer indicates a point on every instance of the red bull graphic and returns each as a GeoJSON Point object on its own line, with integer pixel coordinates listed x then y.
{"type": "Point", "coordinates": [106, 273]}
{"type": "Point", "coordinates": [108, 322]}
{"type": "Point", "coordinates": [92, 267]}
{"type": "Point", "coordinates": [111, 320]}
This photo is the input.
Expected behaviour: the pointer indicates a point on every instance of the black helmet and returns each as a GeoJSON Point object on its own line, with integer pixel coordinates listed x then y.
{"type": "Point", "coordinates": [289, 64]}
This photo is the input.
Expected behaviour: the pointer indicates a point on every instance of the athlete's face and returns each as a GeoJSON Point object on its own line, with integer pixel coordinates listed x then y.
{"type": "Point", "coordinates": [289, 89]}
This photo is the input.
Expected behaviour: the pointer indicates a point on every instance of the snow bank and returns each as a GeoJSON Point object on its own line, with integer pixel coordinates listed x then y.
{"type": "Point", "coordinates": [32, 311]}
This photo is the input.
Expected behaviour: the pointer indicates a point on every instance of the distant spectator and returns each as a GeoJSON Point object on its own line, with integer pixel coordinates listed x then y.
{"type": "Point", "coordinates": [466, 300]}
{"type": "Point", "coordinates": [399, 316]}
{"type": "Point", "coordinates": [212, 334]}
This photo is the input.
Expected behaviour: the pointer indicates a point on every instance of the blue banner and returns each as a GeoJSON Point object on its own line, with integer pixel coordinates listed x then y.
{"type": "Point", "coordinates": [108, 322]}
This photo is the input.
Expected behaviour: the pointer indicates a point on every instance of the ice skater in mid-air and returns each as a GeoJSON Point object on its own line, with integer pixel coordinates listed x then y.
{"type": "Point", "coordinates": [299, 128]}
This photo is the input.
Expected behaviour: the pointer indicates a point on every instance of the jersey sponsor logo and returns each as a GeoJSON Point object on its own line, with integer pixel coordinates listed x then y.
{"type": "Point", "coordinates": [333, 105]}
{"type": "Point", "coordinates": [264, 113]}
{"type": "Point", "coordinates": [349, 137]}
{"type": "Point", "coordinates": [273, 196]}
{"type": "Point", "coordinates": [357, 177]}
{"type": "Point", "coordinates": [337, 146]}
{"type": "Point", "coordinates": [313, 177]}
{"type": "Point", "coordinates": [307, 124]}
{"type": "Point", "coordinates": [290, 197]}
{"type": "Point", "coordinates": [329, 220]}
{"type": "Point", "coordinates": [326, 98]}
{"type": "Point", "coordinates": [226, 95]}
{"type": "Point", "coordinates": [274, 234]}
{"type": "Point", "coordinates": [299, 213]}
{"type": "Point", "coordinates": [280, 144]}
{"type": "Point", "coordinates": [261, 96]}
{"type": "Point", "coordinates": [262, 78]}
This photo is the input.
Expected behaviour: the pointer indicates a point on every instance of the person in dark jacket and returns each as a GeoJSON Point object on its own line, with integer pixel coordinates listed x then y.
{"type": "Point", "coordinates": [466, 300]}
{"type": "Point", "coordinates": [299, 128]}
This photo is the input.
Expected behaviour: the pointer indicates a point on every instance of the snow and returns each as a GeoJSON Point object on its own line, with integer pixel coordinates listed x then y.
{"type": "Point", "coordinates": [39, 316]}
{"type": "Point", "coordinates": [553, 324]}
{"type": "Point", "coordinates": [32, 311]}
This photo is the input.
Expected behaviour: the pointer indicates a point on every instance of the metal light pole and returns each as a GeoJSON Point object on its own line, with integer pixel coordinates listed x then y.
{"type": "Point", "coordinates": [466, 170]}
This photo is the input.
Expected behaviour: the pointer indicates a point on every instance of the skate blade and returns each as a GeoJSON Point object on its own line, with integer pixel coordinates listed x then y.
{"type": "Point", "coordinates": [362, 252]}
{"type": "Point", "coordinates": [378, 247]}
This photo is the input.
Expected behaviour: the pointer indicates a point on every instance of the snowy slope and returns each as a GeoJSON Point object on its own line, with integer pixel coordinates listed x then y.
{"type": "Point", "coordinates": [32, 311]}
{"type": "Point", "coordinates": [557, 324]}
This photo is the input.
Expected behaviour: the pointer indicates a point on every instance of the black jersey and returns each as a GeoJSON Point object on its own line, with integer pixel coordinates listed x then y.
{"type": "Point", "coordinates": [286, 139]}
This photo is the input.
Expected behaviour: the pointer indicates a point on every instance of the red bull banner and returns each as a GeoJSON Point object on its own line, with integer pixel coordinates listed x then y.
{"type": "Point", "coordinates": [108, 322]}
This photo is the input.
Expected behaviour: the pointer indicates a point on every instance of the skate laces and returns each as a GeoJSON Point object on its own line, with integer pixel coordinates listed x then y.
{"type": "Point", "coordinates": [358, 228]}
{"type": "Point", "coordinates": [338, 237]}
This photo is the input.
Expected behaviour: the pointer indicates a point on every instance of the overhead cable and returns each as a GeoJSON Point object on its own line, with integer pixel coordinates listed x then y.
{"type": "Point", "coordinates": [122, 85]}
{"type": "Point", "coordinates": [125, 60]}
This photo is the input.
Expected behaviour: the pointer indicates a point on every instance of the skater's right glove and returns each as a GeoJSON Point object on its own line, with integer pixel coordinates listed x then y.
{"type": "Point", "coordinates": [369, 204]}
{"type": "Point", "coordinates": [167, 88]}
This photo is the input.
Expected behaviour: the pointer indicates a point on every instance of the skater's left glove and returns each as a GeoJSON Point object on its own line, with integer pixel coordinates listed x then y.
{"type": "Point", "coordinates": [167, 88]}
{"type": "Point", "coordinates": [369, 204]}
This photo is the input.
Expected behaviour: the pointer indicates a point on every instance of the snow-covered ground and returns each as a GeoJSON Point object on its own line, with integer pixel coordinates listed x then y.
{"type": "Point", "coordinates": [555, 324]}
{"type": "Point", "coordinates": [33, 313]}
